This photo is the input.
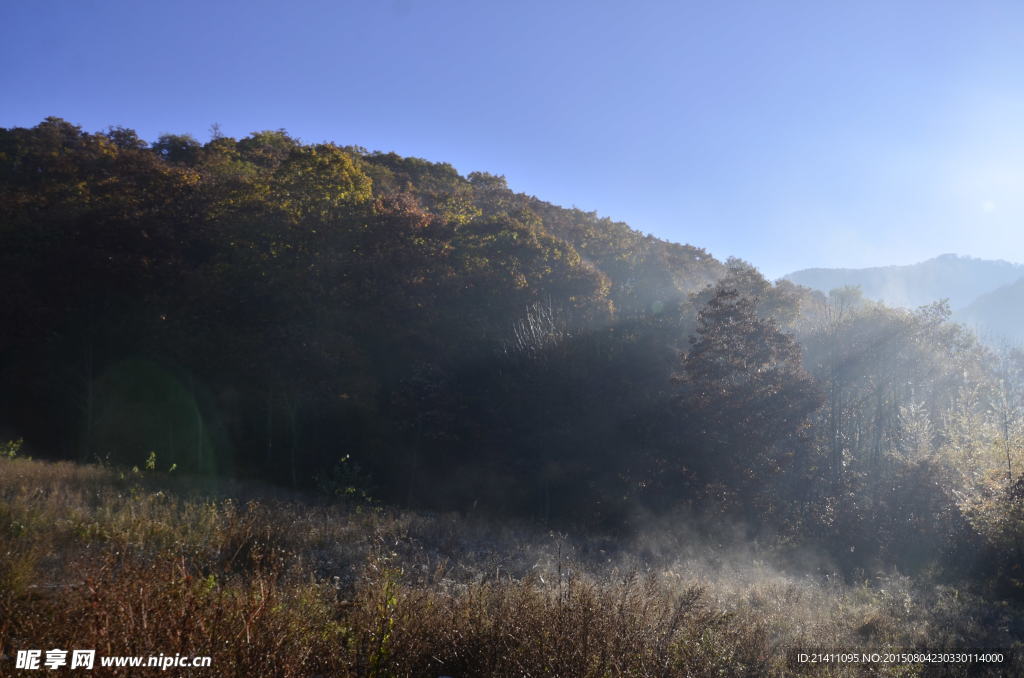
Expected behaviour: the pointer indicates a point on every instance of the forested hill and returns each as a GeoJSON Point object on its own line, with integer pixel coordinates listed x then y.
{"type": "Point", "coordinates": [640, 271]}
{"type": "Point", "coordinates": [264, 306]}
{"type": "Point", "coordinates": [359, 323]}
{"type": "Point", "coordinates": [479, 226]}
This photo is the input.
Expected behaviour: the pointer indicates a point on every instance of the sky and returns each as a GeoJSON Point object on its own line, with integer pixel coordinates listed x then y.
{"type": "Point", "coordinates": [789, 134]}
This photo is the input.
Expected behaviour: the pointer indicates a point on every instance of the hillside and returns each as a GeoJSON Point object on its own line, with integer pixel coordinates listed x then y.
{"type": "Point", "coordinates": [264, 307]}
{"type": "Point", "coordinates": [959, 279]}
{"type": "Point", "coordinates": [996, 316]}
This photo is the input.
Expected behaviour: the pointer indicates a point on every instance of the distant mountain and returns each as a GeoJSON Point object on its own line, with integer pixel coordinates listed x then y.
{"type": "Point", "coordinates": [962, 280]}
{"type": "Point", "coordinates": [996, 316]}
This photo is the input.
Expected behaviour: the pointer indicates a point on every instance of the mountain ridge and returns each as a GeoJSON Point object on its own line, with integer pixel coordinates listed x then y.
{"type": "Point", "coordinates": [995, 316]}
{"type": "Point", "coordinates": [960, 279]}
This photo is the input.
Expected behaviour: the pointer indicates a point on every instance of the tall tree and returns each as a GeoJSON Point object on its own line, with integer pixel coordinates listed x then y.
{"type": "Point", "coordinates": [746, 401]}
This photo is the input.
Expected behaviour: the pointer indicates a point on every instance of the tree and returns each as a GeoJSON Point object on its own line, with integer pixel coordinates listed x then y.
{"type": "Point", "coordinates": [174, 148]}
{"type": "Point", "coordinates": [746, 401]}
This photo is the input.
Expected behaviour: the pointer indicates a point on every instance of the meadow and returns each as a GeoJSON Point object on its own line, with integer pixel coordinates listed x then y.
{"type": "Point", "coordinates": [268, 583]}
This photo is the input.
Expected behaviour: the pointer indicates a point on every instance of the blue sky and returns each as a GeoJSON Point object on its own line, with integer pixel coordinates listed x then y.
{"type": "Point", "coordinates": [791, 134]}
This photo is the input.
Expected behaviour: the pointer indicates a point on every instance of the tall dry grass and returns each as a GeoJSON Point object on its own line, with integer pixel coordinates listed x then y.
{"type": "Point", "coordinates": [143, 564]}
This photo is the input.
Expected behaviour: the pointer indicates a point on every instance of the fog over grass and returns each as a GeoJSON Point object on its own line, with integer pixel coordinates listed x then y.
{"type": "Point", "coordinates": [138, 562]}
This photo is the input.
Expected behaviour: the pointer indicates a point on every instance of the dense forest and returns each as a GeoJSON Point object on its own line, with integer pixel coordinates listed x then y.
{"type": "Point", "coordinates": [378, 328]}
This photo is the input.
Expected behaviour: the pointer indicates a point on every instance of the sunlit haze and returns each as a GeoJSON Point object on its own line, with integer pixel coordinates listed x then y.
{"type": "Point", "coordinates": [791, 134]}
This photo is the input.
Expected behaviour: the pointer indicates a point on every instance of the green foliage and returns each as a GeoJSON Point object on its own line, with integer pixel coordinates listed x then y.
{"type": "Point", "coordinates": [174, 148]}
{"type": "Point", "coordinates": [11, 448]}
{"type": "Point", "coordinates": [318, 184]}
{"type": "Point", "coordinates": [347, 480]}
{"type": "Point", "coordinates": [995, 510]}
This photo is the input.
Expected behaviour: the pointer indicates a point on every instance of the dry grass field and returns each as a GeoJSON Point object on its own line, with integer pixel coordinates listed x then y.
{"type": "Point", "coordinates": [141, 563]}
